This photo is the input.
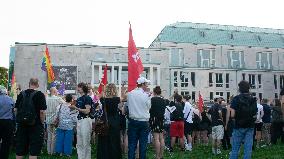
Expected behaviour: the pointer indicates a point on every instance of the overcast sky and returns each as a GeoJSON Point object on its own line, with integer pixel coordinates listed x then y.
{"type": "Point", "coordinates": [105, 22]}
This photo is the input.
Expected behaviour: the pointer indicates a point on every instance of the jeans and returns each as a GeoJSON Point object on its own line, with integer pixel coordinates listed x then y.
{"type": "Point", "coordinates": [84, 130]}
{"type": "Point", "coordinates": [64, 140]}
{"type": "Point", "coordinates": [242, 135]}
{"type": "Point", "coordinates": [6, 134]}
{"type": "Point", "coordinates": [137, 131]}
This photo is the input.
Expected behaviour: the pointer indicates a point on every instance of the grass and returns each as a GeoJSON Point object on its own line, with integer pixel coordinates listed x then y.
{"type": "Point", "coordinates": [201, 152]}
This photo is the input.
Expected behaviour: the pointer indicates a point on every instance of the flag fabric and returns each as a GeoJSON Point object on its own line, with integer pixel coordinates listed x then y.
{"type": "Point", "coordinates": [103, 80]}
{"type": "Point", "coordinates": [61, 89]}
{"type": "Point", "coordinates": [47, 66]}
{"type": "Point", "coordinates": [200, 103]}
{"type": "Point", "coordinates": [135, 66]}
{"type": "Point", "coordinates": [13, 92]}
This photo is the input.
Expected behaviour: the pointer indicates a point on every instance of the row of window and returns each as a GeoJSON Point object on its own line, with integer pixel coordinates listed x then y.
{"type": "Point", "coordinates": [207, 58]}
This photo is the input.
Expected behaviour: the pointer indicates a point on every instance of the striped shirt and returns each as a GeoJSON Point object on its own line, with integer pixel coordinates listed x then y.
{"type": "Point", "coordinates": [52, 102]}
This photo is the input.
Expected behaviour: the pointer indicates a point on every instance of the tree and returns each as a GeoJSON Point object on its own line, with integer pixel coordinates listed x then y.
{"type": "Point", "coordinates": [3, 76]}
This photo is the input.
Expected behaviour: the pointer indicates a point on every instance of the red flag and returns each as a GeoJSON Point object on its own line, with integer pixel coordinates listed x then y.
{"type": "Point", "coordinates": [200, 103]}
{"type": "Point", "coordinates": [135, 66]}
{"type": "Point", "coordinates": [103, 81]}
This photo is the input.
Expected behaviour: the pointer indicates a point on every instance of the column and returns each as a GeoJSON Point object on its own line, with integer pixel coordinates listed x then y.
{"type": "Point", "coordinates": [93, 75]}
{"type": "Point", "coordinates": [151, 77]}
{"type": "Point", "coordinates": [100, 73]}
{"type": "Point", "coordinates": [119, 79]}
{"type": "Point", "coordinates": [112, 74]}
{"type": "Point", "coordinates": [158, 76]}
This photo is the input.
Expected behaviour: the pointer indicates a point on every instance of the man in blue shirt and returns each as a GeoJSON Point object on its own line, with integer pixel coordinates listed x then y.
{"type": "Point", "coordinates": [6, 122]}
{"type": "Point", "coordinates": [266, 119]}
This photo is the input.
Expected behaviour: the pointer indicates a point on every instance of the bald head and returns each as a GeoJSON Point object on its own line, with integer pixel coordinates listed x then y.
{"type": "Point", "coordinates": [53, 91]}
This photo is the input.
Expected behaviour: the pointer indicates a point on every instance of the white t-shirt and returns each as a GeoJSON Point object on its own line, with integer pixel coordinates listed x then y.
{"type": "Point", "coordinates": [259, 115]}
{"type": "Point", "coordinates": [188, 108]}
{"type": "Point", "coordinates": [168, 112]}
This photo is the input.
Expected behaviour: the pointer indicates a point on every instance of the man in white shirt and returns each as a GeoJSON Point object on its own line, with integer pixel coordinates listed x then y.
{"type": "Point", "coordinates": [52, 102]}
{"type": "Point", "coordinates": [139, 104]}
{"type": "Point", "coordinates": [258, 124]}
{"type": "Point", "coordinates": [188, 111]}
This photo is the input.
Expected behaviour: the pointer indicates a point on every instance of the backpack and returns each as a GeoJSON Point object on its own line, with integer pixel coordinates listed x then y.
{"type": "Point", "coordinates": [277, 115]}
{"type": "Point", "coordinates": [26, 113]}
{"type": "Point", "coordinates": [196, 119]}
{"type": "Point", "coordinates": [177, 115]}
{"type": "Point", "coordinates": [246, 111]}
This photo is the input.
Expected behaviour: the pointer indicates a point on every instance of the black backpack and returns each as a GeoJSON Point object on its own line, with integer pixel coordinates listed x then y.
{"type": "Point", "coordinates": [26, 113]}
{"type": "Point", "coordinates": [246, 111]}
{"type": "Point", "coordinates": [196, 119]}
{"type": "Point", "coordinates": [177, 115]}
{"type": "Point", "coordinates": [277, 115]}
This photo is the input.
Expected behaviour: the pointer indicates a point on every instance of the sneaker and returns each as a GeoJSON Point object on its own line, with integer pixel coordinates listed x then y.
{"type": "Point", "coordinates": [167, 148]}
{"type": "Point", "coordinates": [171, 149]}
{"type": "Point", "coordinates": [218, 152]}
{"type": "Point", "coordinates": [262, 146]}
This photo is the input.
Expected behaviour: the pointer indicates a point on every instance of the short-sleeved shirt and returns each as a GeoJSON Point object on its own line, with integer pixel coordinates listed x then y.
{"type": "Point", "coordinates": [267, 113]}
{"type": "Point", "coordinates": [81, 103]}
{"type": "Point", "coordinates": [214, 111]}
{"type": "Point", "coordinates": [158, 107]}
{"type": "Point", "coordinates": [6, 107]}
{"type": "Point", "coordinates": [258, 115]}
{"type": "Point", "coordinates": [38, 100]}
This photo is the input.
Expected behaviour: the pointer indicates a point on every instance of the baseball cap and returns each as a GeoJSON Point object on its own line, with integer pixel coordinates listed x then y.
{"type": "Point", "coordinates": [142, 80]}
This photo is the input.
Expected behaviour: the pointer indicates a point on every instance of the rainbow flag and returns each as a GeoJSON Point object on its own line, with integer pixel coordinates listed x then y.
{"type": "Point", "coordinates": [13, 92]}
{"type": "Point", "coordinates": [47, 66]}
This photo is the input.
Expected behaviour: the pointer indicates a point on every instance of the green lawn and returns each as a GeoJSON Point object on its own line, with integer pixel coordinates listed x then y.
{"type": "Point", "coordinates": [201, 152]}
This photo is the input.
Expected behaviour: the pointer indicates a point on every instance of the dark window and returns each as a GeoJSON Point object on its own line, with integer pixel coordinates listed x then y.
{"type": "Point", "coordinates": [220, 94]}
{"type": "Point", "coordinates": [244, 76]}
{"type": "Point", "coordinates": [193, 95]}
{"type": "Point", "coordinates": [175, 79]}
{"type": "Point", "coordinates": [281, 81]}
{"type": "Point", "coordinates": [211, 95]}
{"type": "Point", "coordinates": [260, 96]}
{"type": "Point", "coordinates": [228, 96]}
{"type": "Point", "coordinates": [275, 81]}
{"type": "Point", "coordinates": [227, 80]}
{"type": "Point", "coordinates": [184, 93]}
{"type": "Point", "coordinates": [253, 94]}
{"type": "Point", "coordinates": [210, 80]}
{"type": "Point", "coordinates": [252, 81]}
{"type": "Point", "coordinates": [219, 80]}
{"type": "Point", "coordinates": [276, 95]}
{"type": "Point", "coordinates": [259, 81]}
{"type": "Point", "coordinates": [193, 78]}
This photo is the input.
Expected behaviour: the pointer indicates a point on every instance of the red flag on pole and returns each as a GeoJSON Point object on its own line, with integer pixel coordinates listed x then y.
{"type": "Point", "coordinates": [135, 66]}
{"type": "Point", "coordinates": [200, 103]}
{"type": "Point", "coordinates": [103, 80]}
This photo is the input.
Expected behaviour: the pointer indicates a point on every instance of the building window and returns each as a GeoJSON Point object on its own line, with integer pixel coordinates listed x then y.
{"type": "Point", "coordinates": [219, 80]}
{"type": "Point", "coordinates": [227, 80]}
{"type": "Point", "coordinates": [235, 59]}
{"type": "Point", "coordinates": [206, 58]}
{"type": "Point", "coordinates": [276, 96]}
{"type": "Point", "coordinates": [176, 57]}
{"type": "Point", "coordinates": [264, 60]}
{"type": "Point", "coordinates": [259, 81]}
{"type": "Point", "coordinates": [220, 94]}
{"type": "Point", "coordinates": [281, 81]}
{"type": "Point", "coordinates": [192, 75]}
{"type": "Point", "coordinates": [148, 57]}
{"type": "Point", "coordinates": [211, 95]}
{"type": "Point", "coordinates": [184, 79]}
{"type": "Point", "coordinates": [275, 81]}
{"type": "Point", "coordinates": [244, 76]}
{"type": "Point", "coordinates": [210, 79]}
{"type": "Point", "coordinates": [252, 81]}
{"type": "Point", "coordinates": [260, 96]}
{"type": "Point", "coordinates": [193, 95]}
{"type": "Point", "coordinates": [175, 78]}
{"type": "Point", "coordinates": [184, 93]}
{"type": "Point", "coordinates": [116, 57]}
{"type": "Point", "coordinates": [228, 96]}
{"type": "Point", "coordinates": [253, 94]}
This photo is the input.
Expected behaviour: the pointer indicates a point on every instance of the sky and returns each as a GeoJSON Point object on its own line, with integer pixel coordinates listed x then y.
{"type": "Point", "coordinates": [106, 22]}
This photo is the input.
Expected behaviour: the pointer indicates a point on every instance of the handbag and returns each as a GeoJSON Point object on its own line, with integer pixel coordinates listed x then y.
{"type": "Point", "coordinates": [101, 124]}
{"type": "Point", "coordinates": [56, 120]}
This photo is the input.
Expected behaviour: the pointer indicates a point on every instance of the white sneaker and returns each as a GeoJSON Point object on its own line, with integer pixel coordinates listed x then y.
{"type": "Point", "coordinates": [188, 147]}
{"type": "Point", "coordinates": [218, 152]}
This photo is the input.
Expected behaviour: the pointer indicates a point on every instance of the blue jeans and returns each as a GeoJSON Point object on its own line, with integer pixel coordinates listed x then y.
{"type": "Point", "coordinates": [137, 131]}
{"type": "Point", "coordinates": [64, 139]}
{"type": "Point", "coordinates": [242, 135]}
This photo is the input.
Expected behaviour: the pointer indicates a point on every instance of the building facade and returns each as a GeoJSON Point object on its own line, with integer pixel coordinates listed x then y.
{"type": "Point", "coordinates": [188, 57]}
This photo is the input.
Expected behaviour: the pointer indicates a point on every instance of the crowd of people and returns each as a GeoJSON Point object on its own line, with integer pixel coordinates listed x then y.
{"type": "Point", "coordinates": [127, 124]}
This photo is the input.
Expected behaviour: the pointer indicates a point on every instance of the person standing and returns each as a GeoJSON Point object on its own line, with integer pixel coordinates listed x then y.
{"type": "Point", "coordinates": [109, 146]}
{"type": "Point", "coordinates": [243, 111]}
{"type": "Point", "coordinates": [157, 111]}
{"type": "Point", "coordinates": [30, 115]}
{"type": "Point", "coordinates": [64, 131]}
{"type": "Point", "coordinates": [52, 102]}
{"type": "Point", "coordinates": [266, 122]}
{"type": "Point", "coordinates": [276, 122]}
{"type": "Point", "coordinates": [258, 124]}
{"type": "Point", "coordinates": [177, 124]}
{"type": "Point", "coordinates": [139, 104]}
{"type": "Point", "coordinates": [84, 123]}
{"type": "Point", "coordinates": [6, 122]}
{"type": "Point", "coordinates": [215, 114]}
{"type": "Point", "coordinates": [188, 123]}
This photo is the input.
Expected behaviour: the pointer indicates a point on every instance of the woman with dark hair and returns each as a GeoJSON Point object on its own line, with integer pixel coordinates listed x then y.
{"type": "Point", "coordinates": [277, 122]}
{"type": "Point", "coordinates": [156, 120]}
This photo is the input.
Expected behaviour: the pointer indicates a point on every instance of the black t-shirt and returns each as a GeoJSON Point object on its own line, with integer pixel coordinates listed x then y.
{"type": "Point", "coordinates": [215, 117]}
{"type": "Point", "coordinates": [81, 103]}
{"type": "Point", "coordinates": [177, 115]}
{"type": "Point", "coordinates": [38, 99]}
{"type": "Point", "coordinates": [111, 105]}
{"type": "Point", "coordinates": [158, 106]}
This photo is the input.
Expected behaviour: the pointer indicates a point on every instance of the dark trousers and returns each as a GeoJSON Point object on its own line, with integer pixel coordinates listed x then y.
{"type": "Point", "coordinates": [226, 143]}
{"type": "Point", "coordinates": [277, 132]}
{"type": "Point", "coordinates": [6, 134]}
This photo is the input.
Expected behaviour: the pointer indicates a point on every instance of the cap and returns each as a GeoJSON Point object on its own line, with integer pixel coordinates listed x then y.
{"type": "Point", "coordinates": [217, 96]}
{"type": "Point", "coordinates": [142, 80]}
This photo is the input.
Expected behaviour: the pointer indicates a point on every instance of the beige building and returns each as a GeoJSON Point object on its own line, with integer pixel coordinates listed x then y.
{"type": "Point", "coordinates": [188, 57]}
